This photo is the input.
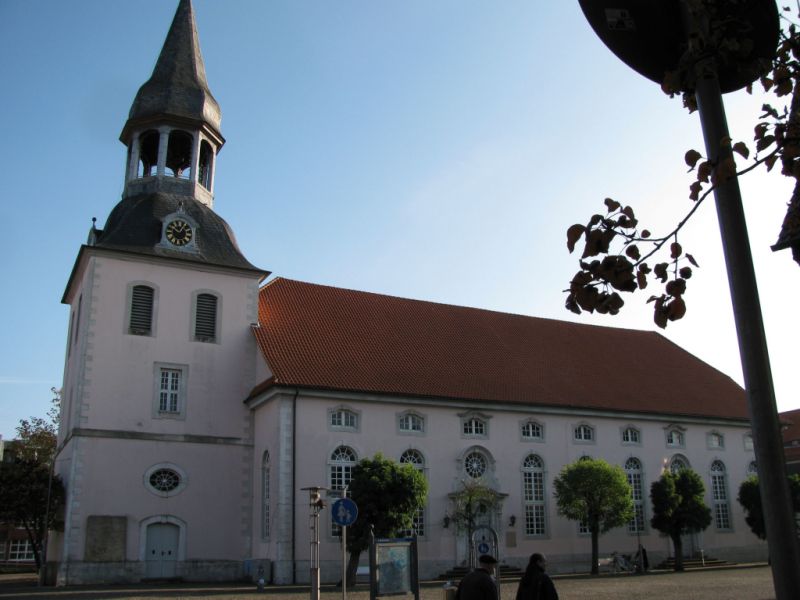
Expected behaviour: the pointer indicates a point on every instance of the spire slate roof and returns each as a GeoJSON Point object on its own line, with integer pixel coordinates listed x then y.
{"type": "Point", "coordinates": [178, 85]}
{"type": "Point", "coordinates": [315, 336]}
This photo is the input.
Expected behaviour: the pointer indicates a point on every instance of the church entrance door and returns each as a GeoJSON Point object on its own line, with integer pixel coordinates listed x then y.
{"type": "Point", "coordinates": [161, 552]}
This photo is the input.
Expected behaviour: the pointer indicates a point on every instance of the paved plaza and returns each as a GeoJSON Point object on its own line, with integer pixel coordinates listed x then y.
{"type": "Point", "coordinates": [751, 582]}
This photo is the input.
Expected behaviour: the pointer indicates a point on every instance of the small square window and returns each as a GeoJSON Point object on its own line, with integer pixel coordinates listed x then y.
{"type": "Point", "coordinates": [716, 441]}
{"type": "Point", "coordinates": [748, 442]}
{"type": "Point", "coordinates": [474, 426]}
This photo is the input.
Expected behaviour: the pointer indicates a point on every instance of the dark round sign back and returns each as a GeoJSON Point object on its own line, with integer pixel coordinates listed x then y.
{"type": "Point", "coordinates": [648, 36]}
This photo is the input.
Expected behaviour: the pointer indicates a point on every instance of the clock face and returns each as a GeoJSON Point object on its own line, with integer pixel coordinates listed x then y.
{"type": "Point", "coordinates": [179, 232]}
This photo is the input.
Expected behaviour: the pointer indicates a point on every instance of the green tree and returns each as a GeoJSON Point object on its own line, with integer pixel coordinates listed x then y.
{"type": "Point", "coordinates": [750, 499]}
{"type": "Point", "coordinates": [32, 497]}
{"type": "Point", "coordinates": [388, 495]}
{"type": "Point", "coordinates": [679, 508]}
{"type": "Point", "coordinates": [595, 493]}
{"type": "Point", "coordinates": [469, 504]}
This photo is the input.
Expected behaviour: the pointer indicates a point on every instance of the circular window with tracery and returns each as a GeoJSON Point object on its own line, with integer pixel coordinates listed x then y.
{"type": "Point", "coordinates": [475, 465]}
{"type": "Point", "coordinates": [165, 479]}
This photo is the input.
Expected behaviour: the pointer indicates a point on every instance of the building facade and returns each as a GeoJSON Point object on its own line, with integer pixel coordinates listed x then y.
{"type": "Point", "coordinates": [199, 401]}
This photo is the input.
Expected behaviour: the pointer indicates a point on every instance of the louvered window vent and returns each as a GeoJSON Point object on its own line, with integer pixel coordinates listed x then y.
{"type": "Point", "coordinates": [205, 325]}
{"type": "Point", "coordinates": [141, 322]}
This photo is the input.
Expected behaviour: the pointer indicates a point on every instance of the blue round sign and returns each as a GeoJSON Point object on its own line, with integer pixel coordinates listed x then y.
{"type": "Point", "coordinates": [483, 548]}
{"type": "Point", "coordinates": [344, 512]}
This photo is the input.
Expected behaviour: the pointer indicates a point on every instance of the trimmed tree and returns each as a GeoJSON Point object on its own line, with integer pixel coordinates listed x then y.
{"type": "Point", "coordinates": [679, 508]}
{"type": "Point", "coordinates": [469, 504]}
{"type": "Point", "coordinates": [388, 495]}
{"type": "Point", "coordinates": [30, 496]}
{"type": "Point", "coordinates": [750, 499]}
{"type": "Point", "coordinates": [596, 493]}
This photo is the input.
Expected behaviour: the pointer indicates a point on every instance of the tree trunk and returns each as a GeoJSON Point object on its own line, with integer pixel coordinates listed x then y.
{"type": "Point", "coordinates": [352, 568]}
{"type": "Point", "coordinates": [677, 544]}
{"type": "Point", "coordinates": [595, 549]}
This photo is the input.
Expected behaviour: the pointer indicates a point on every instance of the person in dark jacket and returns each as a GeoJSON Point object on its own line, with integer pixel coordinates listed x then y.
{"type": "Point", "coordinates": [536, 584]}
{"type": "Point", "coordinates": [479, 583]}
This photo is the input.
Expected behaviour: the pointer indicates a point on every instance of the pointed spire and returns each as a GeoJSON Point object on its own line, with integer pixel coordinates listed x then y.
{"type": "Point", "coordinates": [178, 86]}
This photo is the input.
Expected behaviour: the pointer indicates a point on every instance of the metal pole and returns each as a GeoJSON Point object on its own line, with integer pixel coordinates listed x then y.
{"type": "Point", "coordinates": [344, 554]}
{"type": "Point", "coordinates": [773, 483]}
{"type": "Point", "coordinates": [314, 552]}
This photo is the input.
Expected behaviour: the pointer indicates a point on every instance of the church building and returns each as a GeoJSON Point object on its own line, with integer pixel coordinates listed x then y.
{"type": "Point", "coordinates": [201, 397]}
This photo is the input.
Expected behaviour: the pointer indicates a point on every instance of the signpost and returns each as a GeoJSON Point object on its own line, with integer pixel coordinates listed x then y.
{"type": "Point", "coordinates": [652, 37]}
{"type": "Point", "coordinates": [344, 513]}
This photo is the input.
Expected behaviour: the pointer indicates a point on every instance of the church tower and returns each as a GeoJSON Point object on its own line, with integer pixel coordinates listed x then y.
{"type": "Point", "coordinates": [154, 440]}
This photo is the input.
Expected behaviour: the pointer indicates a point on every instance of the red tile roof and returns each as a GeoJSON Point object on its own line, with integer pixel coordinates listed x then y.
{"type": "Point", "coordinates": [315, 336]}
{"type": "Point", "coordinates": [790, 427]}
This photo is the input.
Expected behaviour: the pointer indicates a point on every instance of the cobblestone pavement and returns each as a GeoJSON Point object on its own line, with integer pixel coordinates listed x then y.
{"type": "Point", "coordinates": [752, 583]}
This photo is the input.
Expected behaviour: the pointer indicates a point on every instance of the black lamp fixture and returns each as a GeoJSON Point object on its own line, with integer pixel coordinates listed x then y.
{"type": "Point", "coordinates": [446, 521]}
{"type": "Point", "coordinates": [512, 520]}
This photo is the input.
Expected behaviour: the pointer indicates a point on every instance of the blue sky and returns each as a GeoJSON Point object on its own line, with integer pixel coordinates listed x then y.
{"type": "Point", "coordinates": [432, 150]}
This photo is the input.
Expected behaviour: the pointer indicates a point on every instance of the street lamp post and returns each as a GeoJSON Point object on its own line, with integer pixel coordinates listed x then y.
{"type": "Point", "coordinates": [316, 504]}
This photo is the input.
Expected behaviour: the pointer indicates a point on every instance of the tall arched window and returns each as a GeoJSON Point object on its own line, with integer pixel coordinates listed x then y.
{"type": "Point", "coordinates": [533, 497]}
{"type": "Point", "coordinates": [265, 495]}
{"type": "Point", "coordinates": [415, 458]}
{"type": "Point", "coordinates": [719, 496]}
{"type": "Point", "coordinates": [340, 471]}
{"type": "Point", "coordinates": [633, 470]}
{"type": "Point", "coordinates": [677, 463]}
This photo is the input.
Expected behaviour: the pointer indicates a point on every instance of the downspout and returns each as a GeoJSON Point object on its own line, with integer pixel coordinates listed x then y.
{"type": "Point", "coordinates": [294, 487]}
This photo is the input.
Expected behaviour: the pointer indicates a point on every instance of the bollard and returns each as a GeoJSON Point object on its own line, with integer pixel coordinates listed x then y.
{"type": "Point", "coordinates": [449, 591]}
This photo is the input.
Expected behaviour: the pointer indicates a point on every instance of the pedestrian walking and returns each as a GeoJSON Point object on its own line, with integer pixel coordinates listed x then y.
{"type": "Point", "coordinates": [479, 584]}
{"type": "Point", "coordinates": [536, 584]}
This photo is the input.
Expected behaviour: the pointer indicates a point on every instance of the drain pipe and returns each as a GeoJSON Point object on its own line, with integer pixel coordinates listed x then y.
{"type": "Point", "coordinates": [294, 486]}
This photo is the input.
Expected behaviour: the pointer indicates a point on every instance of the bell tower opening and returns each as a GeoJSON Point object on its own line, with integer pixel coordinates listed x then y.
{"type": "Point", "coordinates": [179, 155]}
{"type": "Point", "coordinates": [148, 154]}
{"type": "Point", "coordinates": [205, 166]}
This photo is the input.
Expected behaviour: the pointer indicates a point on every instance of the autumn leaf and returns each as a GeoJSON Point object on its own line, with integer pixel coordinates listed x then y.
{"type": "Point", "coordinates": [691, 259]}
{"type": "Point", "coordinates": [632, 251]}
{"type": "Point", "coordinates": [675, 250]}
{"type": "Point", "coordinates": [691, 158]}
{"type": "Point", "coordinates": [742, 149]}
{"type": "Point", "coordinates": [695, 190]}
{"type": "Point", "coordinates": [704, 171]}
{"type": "Point", "coordinates": [612, 205]}
{"type": "Point", "coordinates": [574, 233]}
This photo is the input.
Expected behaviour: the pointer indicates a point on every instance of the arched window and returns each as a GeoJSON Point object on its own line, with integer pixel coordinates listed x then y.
{"type": "Point", "coordinates": [265, 495]}
{"type": "Point", "coordinates": [474, 427]}
{"type": "Point", "coordinates": [206, 165]}
{"type": "Point", "coordinates": [631, 435]}
{"type": "Point", "coordinates": [633, 470]}
{"type": "Point", "coordinates": [415, 458]}
{"type": "Point", "coordinates": [340, 471]}
{"type": "Point", "coordinates": [179, 154]}
{"type": "Point", "coordinates": [583, 433]}
{"type": "Point", "coordinates": [719, 496]}
{"type": "Point", "coordinates": [533, 498]}
{"type": "Point", "coordinates": [532, 430]}
{"type": "Point", "coordinates": [715, 440]}
{"type": "Point", "coordinates": [342, 418]}
{"type": "Point", "coordinates": [678, 463]}
{"type": "Point", "coordinates": [409, 422]}
{"type": "Point", "coordinates": [675, 438]}
{"type": "Point", "coordinates": [148, 154]}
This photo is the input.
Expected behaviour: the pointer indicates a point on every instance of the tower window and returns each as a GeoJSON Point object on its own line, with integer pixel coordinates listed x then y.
{"type": "Point", "coordinates": [206, 165]}
{"type": "Point", "coordinates": [141, 313]}
{"type": "Point", "coordinates": [205, 321]}
{"type": "Point", "coordinates": [148, 153]}
{"type": "Point", "coordinates": [179, 154]}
